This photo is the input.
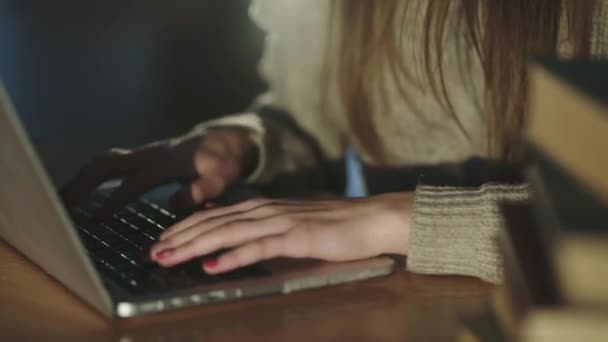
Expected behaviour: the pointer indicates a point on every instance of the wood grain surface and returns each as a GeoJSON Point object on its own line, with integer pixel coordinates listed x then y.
{"type": "Point", "coordinates": [400, 307]}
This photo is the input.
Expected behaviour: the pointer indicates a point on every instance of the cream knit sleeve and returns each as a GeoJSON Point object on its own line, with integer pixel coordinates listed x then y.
{"type": "Point", "coordinates": [454, 230]}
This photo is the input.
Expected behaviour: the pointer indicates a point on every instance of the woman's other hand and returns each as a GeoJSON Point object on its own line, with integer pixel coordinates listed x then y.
{"type": "Point", "coordinates": [261, 229]}
{"type": "Point", "coordinates": [205, 164]}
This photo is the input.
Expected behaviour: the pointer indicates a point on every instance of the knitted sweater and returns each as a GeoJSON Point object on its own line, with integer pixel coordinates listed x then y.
{"type": "Point", "coordinates": [453, 229]}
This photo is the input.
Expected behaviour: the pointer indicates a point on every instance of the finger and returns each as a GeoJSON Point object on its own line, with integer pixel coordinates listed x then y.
{"type": "Point", "coordinates": [219, 222]}
{"type": "Point", "coordinates": [189, 244]}
{"type": "Point", "coordinates": [207, 220]}
{"type": "Point", "coordinates": [114, 164]}
{"type": "Point", "coordinates": [130, 189]}
{"type": "Point", "coordinates": [195, 193]}
{"type": "Point", "coordinates": [208, 214]}
{"type": "Point", "coordinates": [188, 196]}
{"type": "Point", "coordinates": [256, 251]}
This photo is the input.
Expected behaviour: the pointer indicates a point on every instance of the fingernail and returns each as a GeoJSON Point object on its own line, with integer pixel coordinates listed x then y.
{"type": "Point", "coordinates": [210, 263]}
{"type": "Point", "coordinates": [209, 205]}
{"type": "Point", "coordinates": [164, 254]}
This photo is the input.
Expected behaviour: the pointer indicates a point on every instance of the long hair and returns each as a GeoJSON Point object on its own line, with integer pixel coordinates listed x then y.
{"type": "Point", "coordinates": [503, 33]}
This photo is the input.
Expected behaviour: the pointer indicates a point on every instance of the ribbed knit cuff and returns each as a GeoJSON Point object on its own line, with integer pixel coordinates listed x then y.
{"type": "Point", "coordinates": [454, 230]}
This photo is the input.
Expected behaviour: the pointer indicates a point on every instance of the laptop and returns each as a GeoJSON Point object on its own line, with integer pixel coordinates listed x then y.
{"type": "Point", "coordinates": [104, 263]}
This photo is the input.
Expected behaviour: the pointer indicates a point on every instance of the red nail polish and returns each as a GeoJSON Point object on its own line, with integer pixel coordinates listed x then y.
{"type": "Point", "coordinates": [164, 254]}
{"type": "Point", "coordinates": [210, 263]}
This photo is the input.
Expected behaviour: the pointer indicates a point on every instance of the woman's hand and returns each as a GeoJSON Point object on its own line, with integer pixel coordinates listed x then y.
{"type": "Point", "coordinates": [206, 165]}
{"type": "Point", "coordinates": [260, 229]}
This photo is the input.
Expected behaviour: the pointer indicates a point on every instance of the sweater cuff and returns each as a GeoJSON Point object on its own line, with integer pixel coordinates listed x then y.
{"type": "Point", "coordinates": [454, 230]}
{"type": "Point", "coordinates": [253, 124]}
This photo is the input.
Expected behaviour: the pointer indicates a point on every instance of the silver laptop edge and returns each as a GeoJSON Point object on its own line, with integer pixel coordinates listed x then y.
{"type": "Point", "coordinates": [47, 237]}
{"type": "Point", "coordinates": [26, 188]}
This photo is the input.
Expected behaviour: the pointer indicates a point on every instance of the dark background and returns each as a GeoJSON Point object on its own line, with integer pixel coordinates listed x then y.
{"type": "Point", "coordinates": [87, 75]}
{"type": "Point", "coordinates": [96, 74]}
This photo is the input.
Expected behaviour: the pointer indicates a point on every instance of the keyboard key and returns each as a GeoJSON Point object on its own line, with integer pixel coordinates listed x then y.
{"type": "Point", "coordinates": [119, 248]}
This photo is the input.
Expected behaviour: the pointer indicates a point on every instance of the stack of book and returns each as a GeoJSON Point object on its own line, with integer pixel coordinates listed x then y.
{"type": "Point", "coordinates": [556, 248]}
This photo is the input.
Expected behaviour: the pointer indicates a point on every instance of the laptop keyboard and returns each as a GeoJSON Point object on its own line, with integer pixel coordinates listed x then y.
{"type": "Point", "coordinates": [119, 249]}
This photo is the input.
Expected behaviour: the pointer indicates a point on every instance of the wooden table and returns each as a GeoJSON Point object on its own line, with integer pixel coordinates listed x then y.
{"type": "Point", "coordinates": [401, 307]}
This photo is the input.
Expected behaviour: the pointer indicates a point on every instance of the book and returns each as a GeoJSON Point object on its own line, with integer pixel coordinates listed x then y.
{"type": "Point", "coordinates": [567, 133]}
{"type": "Point", "coordinates": [568, 123]}
{"type": "Point", "coordinates": [582, 268]}
{"type": "Point", "coordinates": [555, 249]}
{"type": "Point", "coordinates": [568, 138]}
{"type": "Point", "coordinates": [567, 324]}
{"type": "Point", "coordinates": [530, 276]}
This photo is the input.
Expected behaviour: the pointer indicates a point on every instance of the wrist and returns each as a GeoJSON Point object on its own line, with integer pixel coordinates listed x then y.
{"type": "Point", "coordinates": [396, 223]}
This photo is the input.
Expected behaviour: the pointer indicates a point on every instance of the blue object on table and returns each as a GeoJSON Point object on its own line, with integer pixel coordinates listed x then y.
{"type": "Point", "coordinates": [355, 179]}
